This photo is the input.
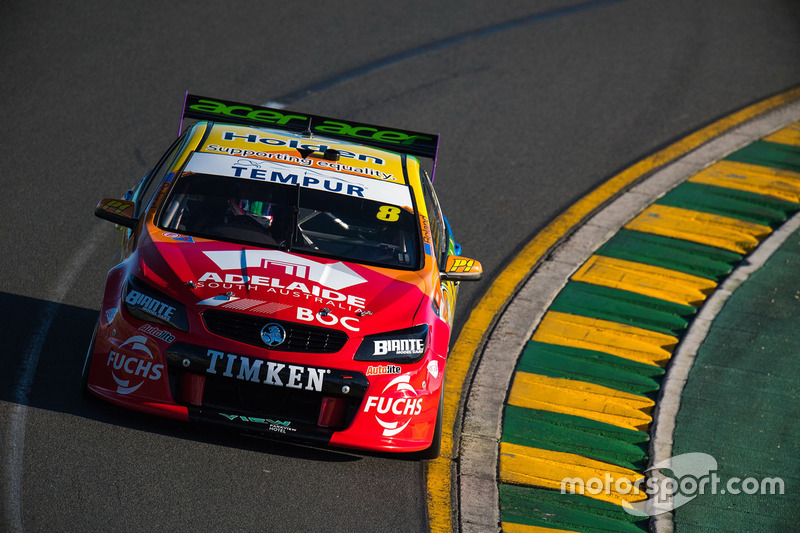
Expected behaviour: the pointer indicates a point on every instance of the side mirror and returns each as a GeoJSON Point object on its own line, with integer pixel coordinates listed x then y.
{"type": "Point", "coordinates": [460, 268]}
{"type": "Point", "coordinates": [116, 211]}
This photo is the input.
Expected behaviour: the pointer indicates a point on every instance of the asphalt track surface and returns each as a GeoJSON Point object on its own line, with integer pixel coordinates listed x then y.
{"type": "Point", "coordinates": [537, 104]}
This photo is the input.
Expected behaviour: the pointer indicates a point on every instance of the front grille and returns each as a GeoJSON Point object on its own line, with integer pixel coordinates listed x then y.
{"type": "Point", "coordinates": [247, 329]}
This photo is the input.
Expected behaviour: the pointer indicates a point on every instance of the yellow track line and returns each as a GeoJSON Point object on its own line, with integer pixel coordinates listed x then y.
{"type": "Point", "coordinates": [440, 471]}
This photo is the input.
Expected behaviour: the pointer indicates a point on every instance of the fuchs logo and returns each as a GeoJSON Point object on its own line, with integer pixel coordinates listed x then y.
{"type": "Point", "coordinates": [273, 334]}
{"type": "Point", "coordinates": [336, 276]}
{"type": "Point", "coordinates": [137, 365]}
{"type": "Point", "coordinates": [402, 404]}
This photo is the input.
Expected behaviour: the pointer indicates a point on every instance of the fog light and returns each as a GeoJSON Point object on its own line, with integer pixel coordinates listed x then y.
{"type": "Point", "coordinates": [331, 412]}
{"type": "Point", "coordinates": [192, 386]}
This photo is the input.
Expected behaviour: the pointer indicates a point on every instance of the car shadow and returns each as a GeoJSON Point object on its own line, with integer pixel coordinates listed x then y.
{"type": "Point", "coordinates": [54, 339]}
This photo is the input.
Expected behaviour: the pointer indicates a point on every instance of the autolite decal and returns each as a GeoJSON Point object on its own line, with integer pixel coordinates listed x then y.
{"type": "Point", "coordinates": [383, 370]}
{"type": "Point", "coordinates": [136, 368]}
{"type": "Point", "coordinates": [157, 333]}
{"type": "Point", "coordinates": [266, 372]}
{"type": "Point", "coordinates": [402, 408]}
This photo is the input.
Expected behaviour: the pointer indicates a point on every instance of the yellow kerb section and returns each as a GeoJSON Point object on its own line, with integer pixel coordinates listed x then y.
{"type": "Point", "coordinates": [622, 340]}
{"type": "Point", "coordinates": [738, 236]}
{"type": "Point", "coordinates": [578, 398]}
{"type": "Point", "coordinates": [658, 282]}
{"type": "Point", "coordinates": [788, 135]}
{"type": "Point", "coordinates": [554, 470]}
{"type": "Point", "coordinates": [766, 181]}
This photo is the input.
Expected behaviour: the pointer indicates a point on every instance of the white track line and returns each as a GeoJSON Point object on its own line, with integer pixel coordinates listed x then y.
{"type": "Point", "coordinates": [15, 441]}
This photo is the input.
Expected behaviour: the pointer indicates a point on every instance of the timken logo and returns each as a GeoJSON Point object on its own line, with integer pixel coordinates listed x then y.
{"type": "Point", "coordinates": [266, 372]}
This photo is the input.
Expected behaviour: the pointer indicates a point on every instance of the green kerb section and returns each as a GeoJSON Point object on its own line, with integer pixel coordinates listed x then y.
{"type": "Point", "coordinates": [567, 362]}
{"type": "Point", "coordinates": [682, 256]}
{"type": "Point", "coordinates": [769, 154]}
{"type": "Point", "coordinates": [623, 307]}
{"type": "Point", "coordinates": [731, 203]}
{"type": "Point", "coordinates": [573, 512]}
{"type": "Point", "coordinates": [574, 434]}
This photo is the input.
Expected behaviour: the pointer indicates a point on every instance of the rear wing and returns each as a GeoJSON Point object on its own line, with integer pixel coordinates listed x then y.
{"type": "Point", "coordinates": [396, 140]}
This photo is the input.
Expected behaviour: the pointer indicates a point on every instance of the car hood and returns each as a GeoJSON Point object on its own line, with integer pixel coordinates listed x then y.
{"type": "Point", "coordinates": [350, 297]}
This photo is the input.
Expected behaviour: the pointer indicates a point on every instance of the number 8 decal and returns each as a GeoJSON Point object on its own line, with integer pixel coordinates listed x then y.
{"type": "Point", "coordinates": [389, 213]}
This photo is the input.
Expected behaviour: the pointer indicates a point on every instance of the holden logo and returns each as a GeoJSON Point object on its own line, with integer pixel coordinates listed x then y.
{"type": "Point", "coordinates": [273, 334]}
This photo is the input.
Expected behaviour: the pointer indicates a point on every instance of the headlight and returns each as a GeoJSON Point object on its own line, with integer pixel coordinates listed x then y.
{"type": "Point", "coordinates": [403, 346]}
{"type": "Point", "coordinates": [145, 303]}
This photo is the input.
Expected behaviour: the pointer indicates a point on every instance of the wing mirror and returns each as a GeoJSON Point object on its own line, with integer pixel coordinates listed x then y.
{"type": "Point", "coordinates": [460, 268]}
{"type": "Point", "coordinates": [116, 211]}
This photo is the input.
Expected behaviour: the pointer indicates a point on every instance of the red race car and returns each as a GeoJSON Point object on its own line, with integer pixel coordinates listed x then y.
{"type": "Point", "coordinates": [284, 273]}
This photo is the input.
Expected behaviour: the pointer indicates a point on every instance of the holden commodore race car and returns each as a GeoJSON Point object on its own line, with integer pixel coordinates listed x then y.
{"type": "Point", "coordinates": [287, 274]}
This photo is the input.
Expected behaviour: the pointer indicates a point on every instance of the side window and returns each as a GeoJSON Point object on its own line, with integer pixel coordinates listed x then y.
{"type": "Point", "coordinates": [438, 229]}
{"type": "Point", "coordinates": [149, 185]}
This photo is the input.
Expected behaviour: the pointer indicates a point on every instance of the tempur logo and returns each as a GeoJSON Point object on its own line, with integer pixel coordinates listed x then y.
{"type": "Point", "coordinates": [694, 474]}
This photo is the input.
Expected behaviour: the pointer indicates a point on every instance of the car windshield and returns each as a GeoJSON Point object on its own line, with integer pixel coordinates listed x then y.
{"type": "Point", "coordinates": [263, 213]}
